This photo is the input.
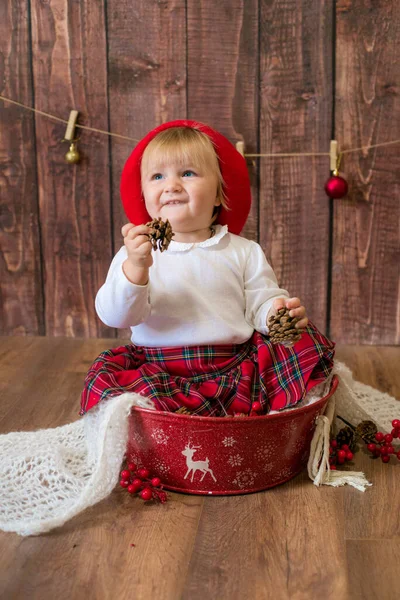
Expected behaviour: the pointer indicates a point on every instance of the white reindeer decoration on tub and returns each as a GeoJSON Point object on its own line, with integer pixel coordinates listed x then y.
{"type": "Point", "coordinates": [196, 465]}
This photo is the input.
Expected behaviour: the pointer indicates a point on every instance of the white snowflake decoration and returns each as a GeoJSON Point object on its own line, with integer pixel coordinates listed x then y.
{"type": "Point", "coordinates": [138, 438]}
{"type": "Point", "coordinates": [268, 467]}
{"type": "Point", "coordinates": [228, 441]}
{"type": "Point", "coordinates": [235, 461]}
{"type": "Point", "coordinates": [161, 468]}
{"type": "Point", "coordinates": [265, 452]}
{"type": "Point", "coordinates": [245, 479]}
{"type": "Point", "coordinates": [291, 427]}
{"type": "Point", "coordinates": [284, 473]}
{"type": "Point", "coordinates": [160, 436]}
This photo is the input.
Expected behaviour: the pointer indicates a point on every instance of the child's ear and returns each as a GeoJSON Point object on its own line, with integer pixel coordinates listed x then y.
{"type": "Point", "coordinates": [217, 201]}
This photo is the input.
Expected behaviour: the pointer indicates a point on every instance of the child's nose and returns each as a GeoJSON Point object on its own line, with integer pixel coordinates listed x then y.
{"type": "Point", "coordinates": [173, 184]}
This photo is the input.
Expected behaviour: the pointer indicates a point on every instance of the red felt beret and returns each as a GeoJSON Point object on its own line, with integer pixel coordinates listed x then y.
{"type": "Point", "coordinates": [233, 168]}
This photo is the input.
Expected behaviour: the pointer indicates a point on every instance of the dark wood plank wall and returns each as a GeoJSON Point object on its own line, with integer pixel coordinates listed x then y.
{"type": "Point", "coordinates": [259, 71]}
{"type": "Point", "coordinates": [295, 116]}
{"type": "Point", "coordinates": [366, 249]}
{"type": "Point", "coordinates": [69, 60]}
{"type": "Point", "coordinates": [21, 289]}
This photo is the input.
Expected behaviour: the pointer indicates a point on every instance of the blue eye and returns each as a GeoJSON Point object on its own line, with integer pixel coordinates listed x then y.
{"type": "Point", "coordinates": [157, 176]}
{"type": "Point", "coordinates": [188, 173]}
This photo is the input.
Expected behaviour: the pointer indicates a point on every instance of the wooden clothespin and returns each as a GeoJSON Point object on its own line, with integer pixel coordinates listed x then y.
{"type": "Point", "coordinates": [72, 155]}
{"type": "Point", "coordinates": [240, 147]}
{"type": "Point", "coordinates": [70, 131]}
{"type": "Point", "coordinates": [333, 156]}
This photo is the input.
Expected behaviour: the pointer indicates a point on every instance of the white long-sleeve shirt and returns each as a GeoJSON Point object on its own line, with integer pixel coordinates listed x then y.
{"type": "Point", "coordinates": [213, 292]}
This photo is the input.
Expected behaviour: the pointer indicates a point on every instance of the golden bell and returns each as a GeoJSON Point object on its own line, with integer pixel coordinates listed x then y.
{"type": "Point", "coordinates": [72, 157]}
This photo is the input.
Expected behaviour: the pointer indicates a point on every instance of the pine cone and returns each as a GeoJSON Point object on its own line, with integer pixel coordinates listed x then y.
{"type": "Point", "coordinates": [163, 234]}
{"type": "Point", "coordinates": [282, 327]}
{"type": "Point", "coordinates": [346, 436]}
{"type": "Point", "coordinates": [366, 430]}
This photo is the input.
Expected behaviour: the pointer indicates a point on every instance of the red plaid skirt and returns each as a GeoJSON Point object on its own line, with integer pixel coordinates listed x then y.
{"type": "Point", "coordinates": [213, 380]}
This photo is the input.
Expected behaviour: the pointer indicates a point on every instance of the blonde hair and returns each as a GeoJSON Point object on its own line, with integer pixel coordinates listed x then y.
{"type": "Point", "coordinates": [185, 145]}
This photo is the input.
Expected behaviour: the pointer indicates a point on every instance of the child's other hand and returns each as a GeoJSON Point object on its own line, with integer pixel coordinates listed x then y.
{"type": "Point", "coordinates": [138, 245]}
{"type": "Point", "coordinates": [295, 307]}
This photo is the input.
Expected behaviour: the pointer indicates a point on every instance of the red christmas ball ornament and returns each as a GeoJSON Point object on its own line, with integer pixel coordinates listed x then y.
{"type": "Point", "coordinates": [336, 186]}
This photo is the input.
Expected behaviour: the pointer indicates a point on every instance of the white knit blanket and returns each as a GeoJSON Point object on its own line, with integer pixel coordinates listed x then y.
{"type": "Point", "coordinates": [49, 476]}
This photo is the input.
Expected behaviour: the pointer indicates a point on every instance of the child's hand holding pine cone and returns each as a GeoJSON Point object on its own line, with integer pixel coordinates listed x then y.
{"type": "Point", "coordinates": [286, 321]}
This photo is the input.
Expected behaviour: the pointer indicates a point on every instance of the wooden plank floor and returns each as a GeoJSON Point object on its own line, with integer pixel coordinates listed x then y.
{"type": "Point", "coordinates": [294, 541]}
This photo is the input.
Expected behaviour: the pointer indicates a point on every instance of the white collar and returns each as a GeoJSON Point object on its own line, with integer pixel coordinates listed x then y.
{"type": "Point", "coordinates": [220, 232]}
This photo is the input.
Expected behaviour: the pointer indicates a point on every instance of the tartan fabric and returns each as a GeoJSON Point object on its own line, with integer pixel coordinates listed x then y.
{"type": "Point", "coordinates": [213, 380]}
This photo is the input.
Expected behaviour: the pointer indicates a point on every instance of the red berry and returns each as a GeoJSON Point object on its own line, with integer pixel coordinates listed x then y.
{"type": "Point", "coordinates": [384, 450]}
{"type": "Point", "coordinates": [143, 473]}
{"type": "Point", "coordinates": [132, 489]}
{"type": "Point", "coordinates": [388, 438]}
{"type": "Point", "coordinates": [345, 447]}
{"type": "Point", "coordinates": [332, 461]}
{"type": "Point", "coordinates": [125, 474]}
{"type": "Point", "coordinates": [146, 494]}
{"type": "Point", "coordinates": [333, 468]}
{"type": "Point", "coordinates": [341, 460]}
{"type": "Point", "coordinates": [341, 454]}
{"type": "Point", "coordinates": [334, 444]}
{"type": "Point", "coordinates": [124, 483]}
{"type": "Point", "coordinates": [256, 406]}
{"type": "Point", "coordinates": [377, 452]}
{"type": "Point", "coordinates": [396, 423]}
{"type": "Point", "coordinates": [379, 436]}
{"type": "Point", "coordinates": [390, 450]}
{"type": "Point", "coordinates": [132, 467]}
{"type": "Point", "coordinates": [385, 458]}
{"type": "Point", "coordinates": [371, 447]}
{"type": "Point", "coordinates": [155, 481]}
{"type": "Point", "coordinates": [395, 432]}
{"type": "Point", "coordinates": [349, 455]}
{"type": "Point", "coordinates": [137, 482]}
{"type": "Point", "coordinates": [162, 496]}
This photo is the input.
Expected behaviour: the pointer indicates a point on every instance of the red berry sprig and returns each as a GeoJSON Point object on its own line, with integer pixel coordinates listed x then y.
{"type": "Point", "coordinates": [138, 481]}
{"type": "Point", "coordinates": [338, 455]}
{"type": "Point", "coordinates": [383, 447]}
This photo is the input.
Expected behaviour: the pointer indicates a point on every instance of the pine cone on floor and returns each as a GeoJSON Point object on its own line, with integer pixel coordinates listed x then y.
{"type": "Point", "coordinates": [366, 430]}
{"type": "Point", "coordinates": [346, 436]}
{"type": "Point", "coordinates": [282, 327]}
{"type": "Point", "coordinates": [163, 234]}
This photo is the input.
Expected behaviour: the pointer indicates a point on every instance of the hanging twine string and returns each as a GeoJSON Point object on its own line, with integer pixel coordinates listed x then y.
{"type": "Point", "coordinates": [125, 137]}
{"type": "Point", "coordinates": [49, 116]}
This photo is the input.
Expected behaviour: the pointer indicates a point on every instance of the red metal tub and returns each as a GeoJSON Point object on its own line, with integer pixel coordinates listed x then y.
{"type": "Point", "coordinates": [224, 455]}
